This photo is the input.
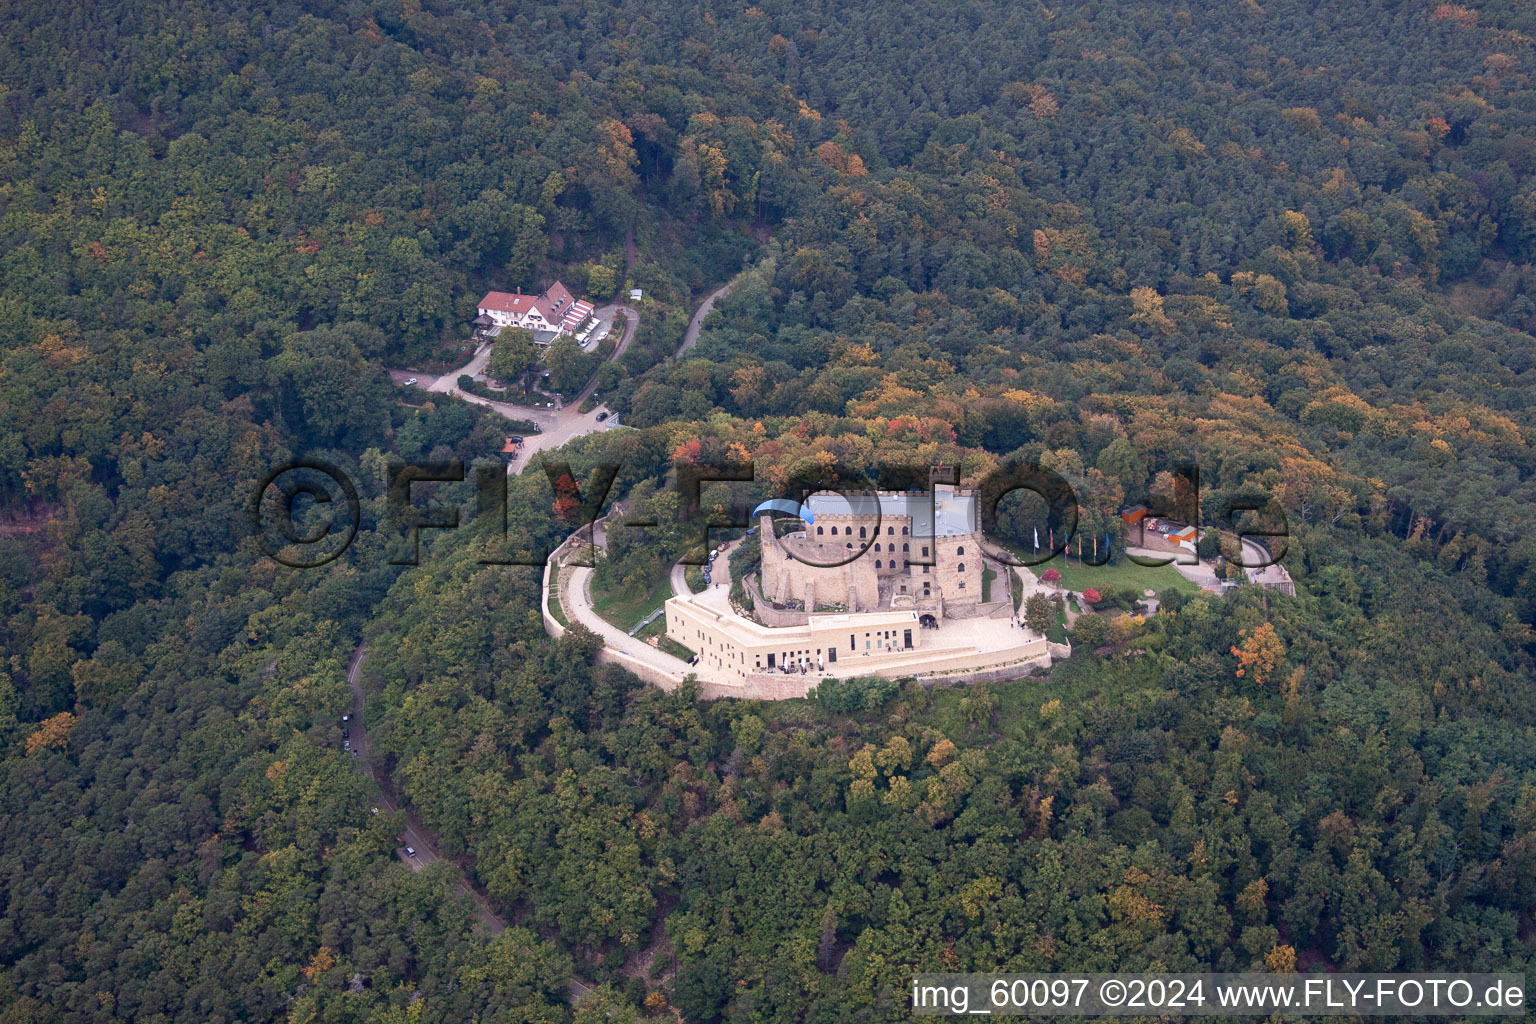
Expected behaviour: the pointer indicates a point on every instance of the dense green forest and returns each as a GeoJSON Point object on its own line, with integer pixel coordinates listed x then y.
{"type": "Point", "coordinates": [1292, 243]}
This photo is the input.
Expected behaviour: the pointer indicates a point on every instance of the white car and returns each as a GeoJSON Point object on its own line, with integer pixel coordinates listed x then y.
{"type": "Point", "coordinates": [410, 851]}
{"type": "Point", "coordinates": [409, 381]}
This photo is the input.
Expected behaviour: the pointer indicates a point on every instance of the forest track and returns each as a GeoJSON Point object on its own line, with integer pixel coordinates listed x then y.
{"type": "Point", "coordinates": [691, 335]}
{"type": "Point", "coordinates": [417, 836]}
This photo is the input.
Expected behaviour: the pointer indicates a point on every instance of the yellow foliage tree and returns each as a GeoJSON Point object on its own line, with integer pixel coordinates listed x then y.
{"type": "Point", "coordinates": [1281, 959]}
{"type": "Point", "coordinates": [322, 962]}
{"type": "Point", "coordinates": [848, 164]}
{"type": "Point", "coordinates": [1148, 306]}
{"type": "Point", "coordinates": [1260, 654]}
{"type": "Point", "coordinates": [52, 732]}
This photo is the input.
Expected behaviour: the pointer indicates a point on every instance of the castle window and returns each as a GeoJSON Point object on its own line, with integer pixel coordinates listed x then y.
{"type": "Point", "coordinates": [962, 567]}
{"type": "Point", "coordinates": [890, 531]}
{"type": "Point", "coordinates": [925, 550]}
{"type": "Point", "coordinates": [962, 584]}
{"type": "Point", "coordinates": [834, 531]}
{"type": "Point", "coordinates": [877, 563]}
{"type": "Point", "coordinates": [877, 545]}
{"type": "Point", "coordinates": [903, 531]}
{"type": "Point", "coordinates": [819, 531]}
{"type": "Point", "coordinates": [959, 551]}
{"type": "Point", "coordinates": [906, 547]}
{"type": "Point", "coordinates": [861, 533]}
{"type": "Point", "coordinates": [849, 545]}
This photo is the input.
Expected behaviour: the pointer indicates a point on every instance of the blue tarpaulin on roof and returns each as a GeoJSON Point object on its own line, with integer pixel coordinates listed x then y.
{"type": "Point", "coordinates": [789, 508]}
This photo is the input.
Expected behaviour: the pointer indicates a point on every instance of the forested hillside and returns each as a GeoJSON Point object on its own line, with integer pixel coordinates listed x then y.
{"type": "Point", "coordinates": [1292, 243]}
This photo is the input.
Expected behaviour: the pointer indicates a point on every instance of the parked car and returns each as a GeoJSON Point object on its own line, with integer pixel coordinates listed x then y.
{"type": "Point", "coordinates": [410, 851]}
{"type": "Point", "coordinates": [515, 440]}
{"type": "Point", "coordinates": [601, 416]}
{"type": "Point", "coordinates": [346, 718]}
{"type": "Point", "coordinates": [346, 734]}
{"type": "Point", "coordinates": [346, 744]}
{"type": "Point", "coordinates": [410, 381]}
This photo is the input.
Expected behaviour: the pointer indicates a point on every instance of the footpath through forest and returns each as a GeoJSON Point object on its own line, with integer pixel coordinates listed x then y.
{"type": "Point", "coordinates": [557, 427]}
{"type": "Point", "coordinates": [417, 836]}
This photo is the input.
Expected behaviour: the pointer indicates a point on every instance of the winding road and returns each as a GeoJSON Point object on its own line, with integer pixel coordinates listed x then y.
{"type": "Point", "coordinates": [558, 426]}
{"type": "Point", "coordinates": [691, 336]}
{"type": "Point", "coordinates": [416, 835]}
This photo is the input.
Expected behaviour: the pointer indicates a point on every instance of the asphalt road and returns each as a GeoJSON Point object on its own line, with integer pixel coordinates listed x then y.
{"type": "Point", "coordinates": [416, 836]}
{"type": "Point", "coordinates": [691, 335]}
{"type": "Point", "coordinates": [556, 426]}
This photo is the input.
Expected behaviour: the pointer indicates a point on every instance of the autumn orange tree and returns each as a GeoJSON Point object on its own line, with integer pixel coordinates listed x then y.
{"type": "Point", "coordinates": [1260, 654]}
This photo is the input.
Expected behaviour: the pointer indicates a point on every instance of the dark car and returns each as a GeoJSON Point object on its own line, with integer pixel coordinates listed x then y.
{"type": "Point", "coordinates": [515, 440]}
{"type": "Point", "coordinates": [601, 416]}
{"type": "Point", "coordinates": [346, 734]}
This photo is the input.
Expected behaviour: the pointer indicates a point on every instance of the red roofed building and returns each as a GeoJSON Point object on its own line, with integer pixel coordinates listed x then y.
{"type": "Point", "coordinates": [554, 312]}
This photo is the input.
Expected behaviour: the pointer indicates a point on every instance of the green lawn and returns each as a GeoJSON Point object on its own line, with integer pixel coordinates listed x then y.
{"type": "Point", "coordinates": [628, 608]}
{"type": "Point", "coordinates": [1057, 632]}
{"type": "Point", "coordinates": [667, 644]}
{"type": "Point", "coordinates": [988, 574]}
{"type": "Point", "coordinates": [1077, 576]}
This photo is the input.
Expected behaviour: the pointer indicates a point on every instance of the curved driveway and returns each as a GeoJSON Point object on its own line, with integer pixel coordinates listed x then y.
{"type": "Point", "coordinates": [556, 426]}
{"type": "Point", "coordinates": [691, 336]}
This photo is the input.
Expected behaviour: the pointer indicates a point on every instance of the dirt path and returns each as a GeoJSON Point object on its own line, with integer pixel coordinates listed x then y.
{"type": "Point", "coordinates": [417, 836]}
{"type": "Point", "coordinates": [691, 336]}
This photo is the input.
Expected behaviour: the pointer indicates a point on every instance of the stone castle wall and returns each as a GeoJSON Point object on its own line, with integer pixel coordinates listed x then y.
{"type": "Point", "coordinates": [911, 571]}
{"type": "Point", "coordinates": [852, 585]}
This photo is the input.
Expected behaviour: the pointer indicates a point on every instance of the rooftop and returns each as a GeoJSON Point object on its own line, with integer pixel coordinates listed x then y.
{"type": "Point", "coordinates": [941, 513]}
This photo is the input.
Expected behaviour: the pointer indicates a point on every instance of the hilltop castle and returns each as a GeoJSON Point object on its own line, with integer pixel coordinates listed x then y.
{"type": "Point", "coordinates": [891, 583]}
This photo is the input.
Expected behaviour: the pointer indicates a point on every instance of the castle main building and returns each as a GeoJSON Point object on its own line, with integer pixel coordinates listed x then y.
{"type": "Point", "coordinates": [892, 551]}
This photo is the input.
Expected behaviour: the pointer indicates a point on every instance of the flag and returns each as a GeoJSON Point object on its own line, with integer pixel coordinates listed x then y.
{"type": "Point", "coordinates": [1037, 538]}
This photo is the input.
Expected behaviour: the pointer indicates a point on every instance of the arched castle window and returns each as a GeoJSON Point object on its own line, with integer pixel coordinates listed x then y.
{"type": "Point", "coordinates": [906, 547]}
{"type": "Point", "coordinates": [962, 567]}
{"type": "Point", "coordinates": [890, 531]}
{"type": "Point", "coordinates": [877, 545]}
{"type": "Point", "coordinates": [903, 531]}
{"type": "Point", "coordinates": [834, 531]}
{"type": "Point", "coordinates": [819, 531]}
{"type": "Point", "coordinates": [877, 563]}
{"type": "Point", "coordinates": [960, 551]}
{"type": "Point", "coordinates": [861, 533]}
{"type": "Point", "coordinates": [849, 546]}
